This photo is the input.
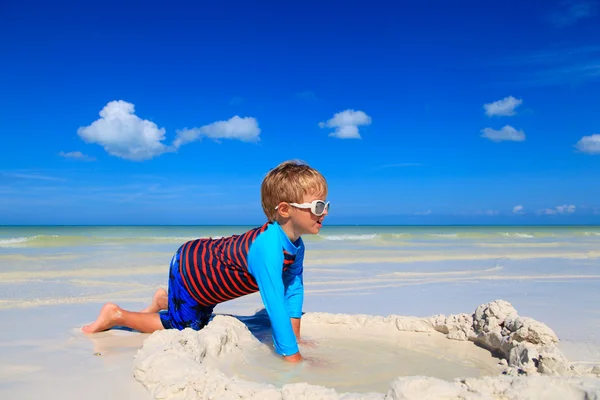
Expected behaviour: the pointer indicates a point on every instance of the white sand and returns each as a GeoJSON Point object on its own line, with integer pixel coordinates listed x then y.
{"type": "Point", "coordinates": [207, 364]}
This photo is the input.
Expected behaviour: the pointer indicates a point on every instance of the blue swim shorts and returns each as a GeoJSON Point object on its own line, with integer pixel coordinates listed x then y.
{"type": "Point", "coordinates": [183, 311]}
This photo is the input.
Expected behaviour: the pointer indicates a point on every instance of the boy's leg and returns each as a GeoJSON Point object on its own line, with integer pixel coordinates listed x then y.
{"type": "Point", "coordinates": [113, 315]}
{"type": "Point", "coordinates": [160, 301]}
{"type": "Point", "coordinates": [183, 310]}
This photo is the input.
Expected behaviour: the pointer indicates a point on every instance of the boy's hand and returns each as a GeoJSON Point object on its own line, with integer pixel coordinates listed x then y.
{"type": "Point", "coordinates": [294, 358]}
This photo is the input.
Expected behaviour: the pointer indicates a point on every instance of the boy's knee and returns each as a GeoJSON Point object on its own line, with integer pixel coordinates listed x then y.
{"type": "Point", "coordinates": [113, 310]}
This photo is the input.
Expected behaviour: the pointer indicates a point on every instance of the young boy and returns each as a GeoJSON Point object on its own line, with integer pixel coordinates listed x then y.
{"type": "Point", "coordinates": [268, 259]}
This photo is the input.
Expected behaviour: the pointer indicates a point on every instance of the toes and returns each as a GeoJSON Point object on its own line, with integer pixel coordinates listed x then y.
{"type": "Point", "coordinates": [86, 329]}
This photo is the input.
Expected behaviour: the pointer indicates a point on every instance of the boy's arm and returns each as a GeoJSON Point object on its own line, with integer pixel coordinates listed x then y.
{"type": "Point", "coordinates": [265, 265]}
{"type": "Point", "coordinates": [294, 290]}
{"type": "Point", "coordinates": [296, 327]}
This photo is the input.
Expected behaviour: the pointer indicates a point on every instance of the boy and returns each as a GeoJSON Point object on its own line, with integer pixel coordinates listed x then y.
{"type": "Point", "coordinates": [269, 259]}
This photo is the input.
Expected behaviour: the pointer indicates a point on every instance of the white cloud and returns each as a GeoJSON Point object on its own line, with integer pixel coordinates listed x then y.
{"type": "Point", "coordinates": [568, 209]}
{"type": "Point", "coordinates": [564, 209]}
{"type": "Point", "coordinates": [518, 210]}
{"type": "Point", "coordinates": [76, 155]}
{"type": "Point", "coordinates": [18, 175]}
{"type": "Point", "coordinates": [589, 144]}
{"type": "Point", "coordinates": [123, 134]}
{"type": "Point", "coordinates": [346, 124]}
{"type": "Point", "coordinates": [505, 107]}
{"type": "Point", "coordinates": [244, 129]}
{"type": "Point", "coordinates": [506, 133]}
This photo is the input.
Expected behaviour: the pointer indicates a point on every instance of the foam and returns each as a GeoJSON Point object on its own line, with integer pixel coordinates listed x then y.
{"type": "Point", "coordinates": [518, 235]}
{"type": "Point", "coordinates": [350, 237]}
{"type": "Point", "coordinates": [14, 241]}
{"type": "Point", "coordinates": [185, 364]}
{"type": "Point", "coordinates": [456, 257]}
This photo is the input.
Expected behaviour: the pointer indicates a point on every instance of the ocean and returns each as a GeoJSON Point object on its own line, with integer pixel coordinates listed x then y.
{"type": "Point", "coordinates": [41, 265]}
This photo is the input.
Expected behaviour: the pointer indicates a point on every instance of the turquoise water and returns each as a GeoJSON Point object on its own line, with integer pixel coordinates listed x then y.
{"type": "Point", "coordinates": [551, 273]}
{"type": "Point", "coordinates": [67, 236]}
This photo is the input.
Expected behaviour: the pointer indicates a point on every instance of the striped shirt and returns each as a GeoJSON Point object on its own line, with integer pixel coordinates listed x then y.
{"type": "Point", "coordinates": [261, 259]}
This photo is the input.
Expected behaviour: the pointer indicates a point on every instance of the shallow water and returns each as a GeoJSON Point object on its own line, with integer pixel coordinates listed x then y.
{"type": "Point", "coordinates": [353, 363]}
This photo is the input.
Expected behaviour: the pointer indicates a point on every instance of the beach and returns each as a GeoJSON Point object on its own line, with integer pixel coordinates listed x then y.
{"type": "Point", "coordinates": [53, 280]}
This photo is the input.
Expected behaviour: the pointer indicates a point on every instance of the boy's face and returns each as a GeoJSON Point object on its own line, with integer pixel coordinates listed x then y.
{"type": "Point", "coordinates": [304, 221]}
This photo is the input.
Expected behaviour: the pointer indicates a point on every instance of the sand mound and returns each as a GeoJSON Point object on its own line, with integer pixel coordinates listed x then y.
{"type": "Point", "coordinates": [185, 364]}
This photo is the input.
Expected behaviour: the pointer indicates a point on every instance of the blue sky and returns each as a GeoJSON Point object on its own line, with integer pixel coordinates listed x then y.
{"type": "Point", "coordinates": [423, 112]}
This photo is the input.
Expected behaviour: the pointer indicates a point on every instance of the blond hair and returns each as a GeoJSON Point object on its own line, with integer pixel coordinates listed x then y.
{"type": "Point", "coordinates": [289, 182]}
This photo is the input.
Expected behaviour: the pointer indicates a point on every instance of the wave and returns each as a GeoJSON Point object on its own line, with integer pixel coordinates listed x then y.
{"type": "Point", "coordinates": [60, 241]}
{"type": "Point", "coordinates": [517, 235]}
{"type": "Point", "coordinates": [350, 237]}
{"type": "Point", "coordinates": [402, 236]}
{"type": "Point", "coordinates": [15, 241]}
{"type": "Point", "coordinates": [445, 235]}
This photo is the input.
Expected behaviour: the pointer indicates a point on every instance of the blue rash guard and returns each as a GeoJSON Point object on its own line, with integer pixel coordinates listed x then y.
{"type": "Point", "coordinates": [281, 289]}
{"type": "Point", "coordinates": [206, 272]}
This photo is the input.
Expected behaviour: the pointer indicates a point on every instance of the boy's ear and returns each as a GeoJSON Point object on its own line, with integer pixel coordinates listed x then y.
{"type": "Point", "coordinates": [283, 209]}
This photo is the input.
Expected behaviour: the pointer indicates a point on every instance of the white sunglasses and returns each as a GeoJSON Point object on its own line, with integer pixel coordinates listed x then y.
{"type": "Point", "coordinates": [317, 207]}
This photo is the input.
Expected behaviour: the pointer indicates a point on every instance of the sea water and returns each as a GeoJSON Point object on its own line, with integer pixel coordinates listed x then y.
{"type": "Point", "coordinates": [548, 272]}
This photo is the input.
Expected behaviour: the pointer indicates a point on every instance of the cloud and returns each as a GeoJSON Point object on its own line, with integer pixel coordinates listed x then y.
{"type": "Point", "coordinates": [564, 209]}
{"type": "Point", "coordinates": [236, 100]}
{"type": "Point", "coordinates": [504, 107]}
{"type": "Point", "coordinates": [571, 12]}
{"type": "Point", "coordinates": [307, 95]}
{"type": "Point", "coordinates": [589, 144]}
{"type": "Point", "coordinates": [506, 133]}
{"type": "Point", "coordinates": [346, 124]}
{"type": "Point", "coordinates": [549, 67]}
{"type": "Point", "coordinates": [76, 155]}
{"type": "Point", "coordinates": [123, 134]}
{"type": "Point", "coordinates": [568, 209]}
{"type": "Point", "coordinates": [518, 210]}
{"type": "Point", "coordinates": [18, 175]}
{"type": "Point", "coordinates": [244, 129]}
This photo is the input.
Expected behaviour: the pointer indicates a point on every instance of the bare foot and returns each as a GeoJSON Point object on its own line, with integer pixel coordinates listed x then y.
{"type": "Point", "coordinates": [107, 319]}
{"type": "Point", "coordinates": [160, 301]}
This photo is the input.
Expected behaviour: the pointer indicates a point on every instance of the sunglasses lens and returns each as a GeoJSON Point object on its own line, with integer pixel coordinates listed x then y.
{"type": "Point", "coordinates": [319, 208]}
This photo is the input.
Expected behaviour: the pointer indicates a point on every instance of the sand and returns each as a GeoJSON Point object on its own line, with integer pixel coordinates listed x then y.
{"type": "Point", "coordinates": [206, 364]}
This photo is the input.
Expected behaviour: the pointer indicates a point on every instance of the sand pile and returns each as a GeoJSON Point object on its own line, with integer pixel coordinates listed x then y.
{"type": "Point", "coordinates": [185, 364]}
